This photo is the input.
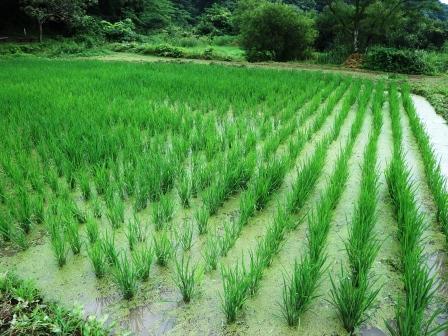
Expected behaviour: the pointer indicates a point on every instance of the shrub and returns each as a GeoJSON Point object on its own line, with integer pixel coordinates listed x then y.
{"type": "Point", "coordinates": [277, 32]}
{"type": "Point", "coordinates": [398, 60]}
{"type": "Point", "coordinates": [119, 31]}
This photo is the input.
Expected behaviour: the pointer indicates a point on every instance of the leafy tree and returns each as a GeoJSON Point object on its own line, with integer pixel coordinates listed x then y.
{"type": "Point", "coordinates": [277, 31]}
{"type": "Point", "coordinates": [360, 18]}
{"type": "Point", "coordinates": [65, 11]}
{"type": "Point", "coordinates": [216, 20]}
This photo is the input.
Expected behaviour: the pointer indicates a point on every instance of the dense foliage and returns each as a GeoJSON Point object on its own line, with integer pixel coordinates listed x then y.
{"type": "Point", "coordinates": [266, 29]}
{"type": "Point", "coordinates": [277, 32]}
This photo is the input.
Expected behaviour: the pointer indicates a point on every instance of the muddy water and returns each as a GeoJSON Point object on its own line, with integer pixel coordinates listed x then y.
{"type": "Point", "coordinates": [437, 129]}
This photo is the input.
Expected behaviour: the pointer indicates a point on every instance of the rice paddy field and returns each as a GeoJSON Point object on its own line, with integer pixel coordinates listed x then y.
{"type": "Point", "coordinates": [187, 199]}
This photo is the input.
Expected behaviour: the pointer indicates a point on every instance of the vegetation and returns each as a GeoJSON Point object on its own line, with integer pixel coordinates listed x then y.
{"type": "Point", "coordinates": [24, 312]}
{"type": "Point", "coordinates": [161, 180]}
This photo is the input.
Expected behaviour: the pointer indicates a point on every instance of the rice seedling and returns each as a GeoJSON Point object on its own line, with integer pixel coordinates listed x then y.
{"type": "Point", "coordinates": [186, 278]}
{"type": "Point", "coordinates": [411, 314]}
{"type": "Point", "coordinates": [184, 189]}
{"type": "Point", "coordinates": [97, 207]}
{"type": "Point", "coordinates": [84, 184]}
{"type": "Point", "coordinates": [97, 259]}
{"type": "Point", "coordinates": [201, 216]}
{"type": "Point", "coordinates": [352, 301]}
{"type": "Point", "coordinates": [162, 212]}
{"type": "Point", "coordinates": [59, 246]}
{"type": "Point", "coordinates": [142, 259]}
{"type": "Point", "coordinates": [126, 277]}
{"type": "Point", "coordinates": [436, 180]}
{"type": "Point", "coordinates": [234, 292]}
{"type": "Point", "coordinates": [6, 227]}
{"type": "Point", "coordinates": [73, 237]}
{"type": "Point", "coordinates": [211, 253]}
{"type": "Point", "coordinates": [163, 248]}
{"type": "Point", "coordinates": [92, 230]}
{"type": "Point", "coordinates": [186, 236]}
{"type": "Point", "coordinates": [116, 213]}
{"type": "Point", "coordinates": [19, 238]}
{"type": "Point", "coordinates": [108, 246]}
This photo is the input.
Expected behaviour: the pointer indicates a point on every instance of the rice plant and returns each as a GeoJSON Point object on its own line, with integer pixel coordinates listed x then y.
{"type": "Point", "coordinates": [116, 213]}
{"type": "Point", "coordinates": [234, 292]}
{"type": "Point", "coordinates": [92, 230]}
{"type": "Point", "coordinates": [126, 277]}
{"type": "Point", "coordinates": [187, 278]}
{"type": "Point", "coordinates": [201, 216]}
{"type": "Point", "coordinates": [162, 212]}
{"type": "Point", "coordinates": [186, 236]}
{"type": "Point", "coordinates": [211, 253]}
{"type": "Point", "coordinates": [59, 246]}
{"type": "Point", "coordinates": [97, 259]}
{"type": "Point", "coordinates": [142, 259]}
{"type": "Point", "coordinates": [84, 185]}
{"type": "Point", "coordinates": [73, 236]}
{"type": "Point", "coordinates": [108, 246]}
{"type": "Point", "coordinates": [184, 189]}
{"type": "Point", "coordinates": [163, 248]}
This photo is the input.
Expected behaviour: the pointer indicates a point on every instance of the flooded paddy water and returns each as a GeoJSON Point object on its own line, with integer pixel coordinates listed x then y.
{"type": "Point", "coordinates": [158, 307]}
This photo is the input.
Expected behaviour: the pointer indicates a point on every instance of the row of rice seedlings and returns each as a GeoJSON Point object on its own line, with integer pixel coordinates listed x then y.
{"type": "Point", "coordinates": [240, 282]}
{"type": "Point", "coordinates": [436, 180]}
{"type": "Point", "coordinates": [300, 287]}
{"type": "Point", "coordinates": [353, 295]}
{"type": "Point", "coordinates": [271, 174]}
{"type": "Point", "coordinates": [217, 193]}
{"type": "Point", "coordinates": [412, 313]}
{"type": "Point", "coordinates": [162, 212]}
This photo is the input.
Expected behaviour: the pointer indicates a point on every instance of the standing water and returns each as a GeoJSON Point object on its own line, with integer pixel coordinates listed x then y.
{"type": "Point", "coordinates": [437, 129]}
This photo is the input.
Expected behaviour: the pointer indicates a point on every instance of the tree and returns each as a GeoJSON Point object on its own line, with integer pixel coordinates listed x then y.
{"type": "Point", "coordinates": [358, 18]}
{"type": "Point", "coordinates": [65, 11]}
{"type": "Point", "coordinates": [277, 31]}
{"type": "Point", "coordinates": [216, 20]}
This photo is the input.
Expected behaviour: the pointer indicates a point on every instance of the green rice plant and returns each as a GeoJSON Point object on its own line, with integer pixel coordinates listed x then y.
{"type": "Point", "coordinates": [234, 292]}
{"type": "Point", "coordinates": [299, 289]}
{"type": "Point", "coordinates": [306, 178]}
{"type": "Point", "coordinates": [116, 213]}
{"type": "Point", "coordinates": [352, 300]}
{"type": "Point", "coordinates": [231, 233]}
{"type": "Point", "coordinates": [126, 276]}
{"type": "Point", "coordinates": [436, 181]}
{"type": "Point", "coordinates": [108, 246]}
{"type": "Point", "coordinates": [211, 253]}
{"type": "Point", "coordinates": [73, 237]}
{"type": "Point", "coordinates": [184, 189]}
{"type": "Point", "coordinates": [23, 210]}
{"type": "Point", "coordinates": [59, 246]}
{"type": "Point", "coordinates": [92, 230]}
{"type": "Point", "coordinates": [213, 197]}
{"type": "Point", "coordinates": [97, 207]}
{"type": "Point", "coordinates": [76, 212]}
{"type": "Point", "coordinates": [163, 248]}
{"type": "Point", "coordinates": [132, 234]}
{"type": "Point", "coordinates": [97, 259]}
{"type": "Point", "coordinates": [101, 178]}
{"type": "Point", "coordinates": [201, 216]}
{"type": "Point", "coordinates": [6, 226]}
{"type": "Point", "coordinates": [162, 212]}
{"type": "Point", "coordinates": [142, 259]}
{"type": "Point", "coordinates": [19, 238]}
{"type": "Point", "coordinates": [3, 193]}
{"type": "Point", "coordinates": [186, 278]}
{"type": "Point", "coordinates": [84, 184]}
{"type": "Point", "coordinates": [186, 236]}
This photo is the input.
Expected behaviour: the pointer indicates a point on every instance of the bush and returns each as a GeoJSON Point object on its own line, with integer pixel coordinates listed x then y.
{"type": "Point", "coordinates": [119, 31]}
{"type": "Point", "coordinates": [216, 20]}
{"type": "Point", "coordinates": [163, 50]}
{"type": "Point", "coordinates": [398, 60]}
{"type": "Point", "coordinates": [277, 32]}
